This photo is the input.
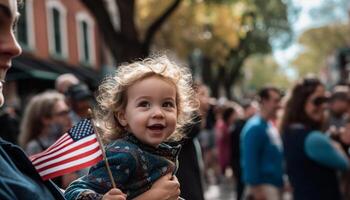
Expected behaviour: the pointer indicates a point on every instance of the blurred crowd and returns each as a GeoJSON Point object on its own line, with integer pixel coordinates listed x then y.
{"type": "Point", "coordinates": [278, 145]}
{"type": "Point", "coordinates": [271, 146]}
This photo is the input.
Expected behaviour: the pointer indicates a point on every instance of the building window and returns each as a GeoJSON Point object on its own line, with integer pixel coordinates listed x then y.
{"type": "Point", "coordinates": [57, 29]}
{"type": "Point", "coordinates": [25, 28]}
{"type": "Point", "coordinates": [86, 39]}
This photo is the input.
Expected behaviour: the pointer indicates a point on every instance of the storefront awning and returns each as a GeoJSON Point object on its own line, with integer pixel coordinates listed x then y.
{"type": "Point", "coordinates": [26, 67]}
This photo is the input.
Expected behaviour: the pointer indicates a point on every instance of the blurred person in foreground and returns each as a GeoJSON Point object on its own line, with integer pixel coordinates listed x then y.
{"type": "Point", "coordinates": [261, 149]}
{"type": "Point", "coordinates": [45, 119]}
{"type": "Point", "coordinates": [18, 177]}
{"type": "Point", "coordinates": [190, 172]}
{"type": "Point", "coordinates": [312, 158]}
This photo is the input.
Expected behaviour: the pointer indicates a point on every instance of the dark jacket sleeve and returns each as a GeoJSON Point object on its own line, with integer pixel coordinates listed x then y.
{"type": "Point", "coordinates": [19, 179]}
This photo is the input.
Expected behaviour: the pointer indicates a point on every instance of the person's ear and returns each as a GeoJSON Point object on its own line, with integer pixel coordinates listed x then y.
{"type": "Point", "coordinates": [121, 118]}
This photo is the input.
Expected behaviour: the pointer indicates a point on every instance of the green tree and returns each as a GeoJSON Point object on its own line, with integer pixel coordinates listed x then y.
{"type": "Point", "coordinates": [318, 44]}
{"type": "Point", "coordinates": [226, 33]}
{"type": "Point", "coordinates": [260, 70]}
{"type": "Point", "coordinates": [125, 43]}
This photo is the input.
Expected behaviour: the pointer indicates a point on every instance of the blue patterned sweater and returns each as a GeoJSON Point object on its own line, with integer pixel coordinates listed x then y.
{"type": "Point", "coordinates": [134, 165]}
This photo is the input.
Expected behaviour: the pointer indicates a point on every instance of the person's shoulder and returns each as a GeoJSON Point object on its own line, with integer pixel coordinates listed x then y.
{"type": "Point", "coordinates": [255, 122]}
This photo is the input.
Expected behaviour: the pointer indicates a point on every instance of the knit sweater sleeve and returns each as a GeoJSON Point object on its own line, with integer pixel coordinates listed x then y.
{"type": "Point", "coordinates": [318, 147]}
{"type": "Point", "coordinates": [97, 182]}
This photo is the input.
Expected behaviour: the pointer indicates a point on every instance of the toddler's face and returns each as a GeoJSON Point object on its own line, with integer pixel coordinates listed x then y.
{"type": "Point", "coordinates": [151, 111]}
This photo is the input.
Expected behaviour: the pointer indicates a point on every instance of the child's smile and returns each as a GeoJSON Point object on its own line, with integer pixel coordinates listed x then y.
{"type": "Point", "coordinates": [151, 111]}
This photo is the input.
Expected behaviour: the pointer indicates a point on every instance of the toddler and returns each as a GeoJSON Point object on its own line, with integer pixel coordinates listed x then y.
{"type": "Point", "coordinates": [141, 111]}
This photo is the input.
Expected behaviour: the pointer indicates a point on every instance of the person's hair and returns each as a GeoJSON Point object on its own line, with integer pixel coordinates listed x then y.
{"type": "Point", "coordinates": [264, 93]}
{"type": "Point", "coordinates": [64, 81]}
{"type": "Point", "coordinates": [112, 94]}
{"type": "Point", "coordinates": [294, 111]}
{"type": "Point", "coordinates": [227, 113]}
{"type": "Point", "coordinates": [39, 107]}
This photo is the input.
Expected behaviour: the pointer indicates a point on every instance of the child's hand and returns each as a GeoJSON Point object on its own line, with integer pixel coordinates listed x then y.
{"type": "Point", "coordinates": [114, 194]}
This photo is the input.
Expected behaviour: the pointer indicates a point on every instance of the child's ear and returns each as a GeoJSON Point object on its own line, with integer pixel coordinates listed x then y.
{"type": "Point", "coordinates": [121, 118]}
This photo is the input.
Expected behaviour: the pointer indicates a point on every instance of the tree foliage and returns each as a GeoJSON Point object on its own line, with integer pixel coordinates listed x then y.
{"type": "Point", "coordinates": [318, 45]}
{"type": "Point", "coordinates": [226, 32]}
{"type": "Point", "coordinates": [260, 70]}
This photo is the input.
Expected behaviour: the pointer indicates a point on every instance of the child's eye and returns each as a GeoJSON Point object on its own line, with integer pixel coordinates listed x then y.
{"type": "Point", "coordinates": [144, 104]}
{"type": "Point", "coordinates": [168, 104]}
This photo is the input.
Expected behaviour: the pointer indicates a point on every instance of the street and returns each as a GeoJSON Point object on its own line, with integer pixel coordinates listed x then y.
{"type": "Point", "coordinates": [223, 191]}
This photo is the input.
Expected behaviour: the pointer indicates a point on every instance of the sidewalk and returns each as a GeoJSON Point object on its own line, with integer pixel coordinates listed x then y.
{"type": "Point", "coordinates": [222, 191]}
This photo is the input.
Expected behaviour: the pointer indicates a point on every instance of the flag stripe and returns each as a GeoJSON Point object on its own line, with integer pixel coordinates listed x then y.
{"type": "Point", "coordinates": [66, 148]}
{"type": "Point", "coordinates": [71, 169]}
{"type": "Point", "coordinates": [74, 150]}
{"type": "Point", "coordinates": [54, 147]}
{"type": "Point", "coordinates": [60, 163]}
{"type": "Point", "coordinates": [69, 154]}
{"type": "Point", "coordinates": [54, 151]}
{"type": "Point", "coordinates": [77, 149]}
{"type": "Point", "coordinates": [70, 164]}
{"type": "Point", "coordinates": [59, 141]}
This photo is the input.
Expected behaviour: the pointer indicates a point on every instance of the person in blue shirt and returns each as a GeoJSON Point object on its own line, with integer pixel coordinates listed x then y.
{"type": "Point", "coordinates": [312, 158]}
{"type": "Point", "coordinates": [261, 149]}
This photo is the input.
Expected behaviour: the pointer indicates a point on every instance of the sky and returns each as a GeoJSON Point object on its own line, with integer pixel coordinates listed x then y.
{"type": "Point", "coordinates": [304, 22]}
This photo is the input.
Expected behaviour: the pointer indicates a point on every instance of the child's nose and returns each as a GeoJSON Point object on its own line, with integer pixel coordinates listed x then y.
{"type": "Point", "coordinates": [157, 112]}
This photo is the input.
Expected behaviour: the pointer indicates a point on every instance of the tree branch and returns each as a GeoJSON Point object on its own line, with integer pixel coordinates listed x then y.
{"type": "Point", "coordinates": [158, 23]}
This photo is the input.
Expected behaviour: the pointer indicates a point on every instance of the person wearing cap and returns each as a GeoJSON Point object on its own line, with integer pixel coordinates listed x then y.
{"type": "Point", "coordinates": [64, 81]}
{"type": "Point", "coordinates": [79, 98]}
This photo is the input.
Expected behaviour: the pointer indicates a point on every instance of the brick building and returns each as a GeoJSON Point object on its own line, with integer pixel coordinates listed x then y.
{"type": "Point", "coordinates": [57, 36]}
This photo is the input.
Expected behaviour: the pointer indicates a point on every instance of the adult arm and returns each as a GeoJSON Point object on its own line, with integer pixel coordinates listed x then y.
{"type": "Point", "coordinates": [319, 148]}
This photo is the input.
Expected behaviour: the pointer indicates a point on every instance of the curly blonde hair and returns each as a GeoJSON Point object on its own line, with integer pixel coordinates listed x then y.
{"type": "Point", "coordinates": [112, 94]}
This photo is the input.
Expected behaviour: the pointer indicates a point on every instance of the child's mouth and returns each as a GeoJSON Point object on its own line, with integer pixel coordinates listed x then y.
{"type": "Point", "coordinates": [156, 127]}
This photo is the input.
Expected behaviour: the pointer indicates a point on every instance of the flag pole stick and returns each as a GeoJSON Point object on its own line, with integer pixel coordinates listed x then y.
{"type": "Point", "coordinates": [98, 136]}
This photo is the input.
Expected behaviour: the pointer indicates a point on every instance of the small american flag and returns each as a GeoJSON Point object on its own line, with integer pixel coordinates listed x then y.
{"type": "Point", "coordinates": [76, 149]}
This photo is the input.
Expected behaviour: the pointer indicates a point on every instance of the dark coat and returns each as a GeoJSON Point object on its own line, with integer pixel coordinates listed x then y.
{"type": "Point", "coordinates": [189, 174]}
{"type": "Point", "coordinates": [19, 179]}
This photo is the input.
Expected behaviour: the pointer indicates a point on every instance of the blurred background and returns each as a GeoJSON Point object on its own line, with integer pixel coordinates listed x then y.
{"type": "Point", "coordinates": [232, 46]}
{"type": "Point", "coordinates": [226, 43]}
